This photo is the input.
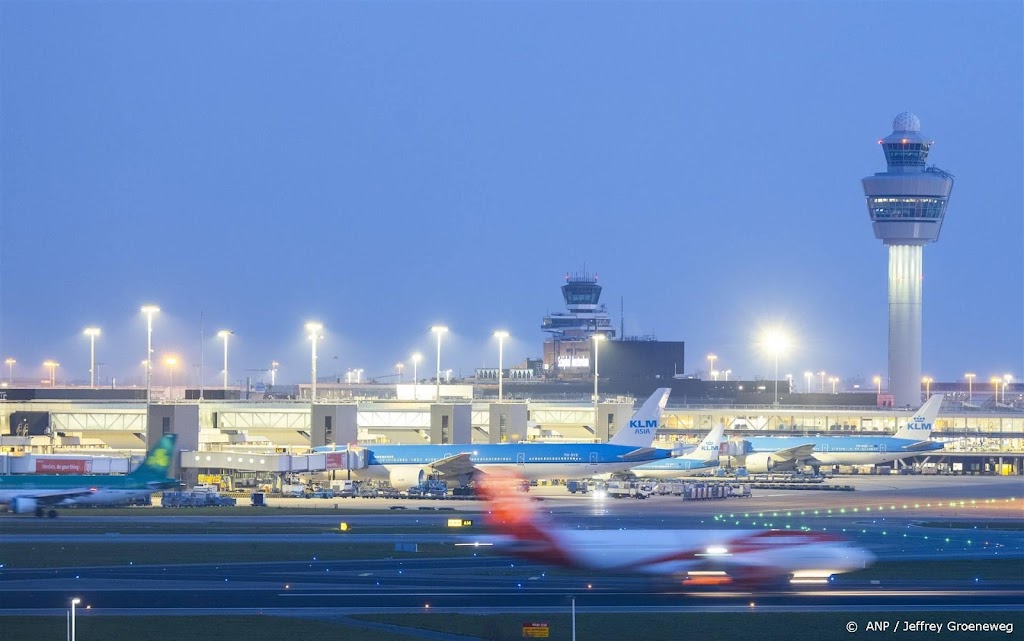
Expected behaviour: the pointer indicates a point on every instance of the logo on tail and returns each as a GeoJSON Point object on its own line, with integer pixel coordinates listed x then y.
{"type": "Point", "coordinates": [640, 429]}
{"type": "Point", "coordinates": [919, 427]}
{"type": "Point", "coordinates": [710, 448]}
{"type": "Point", "coordinates": [158, 460]}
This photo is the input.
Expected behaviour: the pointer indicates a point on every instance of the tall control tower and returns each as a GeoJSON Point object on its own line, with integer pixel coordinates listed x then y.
{"type": "Point", "coordinates": [907, 203]}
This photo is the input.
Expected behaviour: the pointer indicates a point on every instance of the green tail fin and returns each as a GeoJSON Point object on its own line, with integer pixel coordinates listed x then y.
{"type": "Point", "coordinates": [158, 460]}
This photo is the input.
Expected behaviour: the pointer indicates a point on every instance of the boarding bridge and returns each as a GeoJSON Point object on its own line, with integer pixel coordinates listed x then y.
{"type": "Point", "coordinates": [344, 460]}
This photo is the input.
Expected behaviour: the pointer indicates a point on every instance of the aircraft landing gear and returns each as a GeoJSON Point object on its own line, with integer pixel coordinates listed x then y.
{"type": "Point", "coordinates": [40, 512]}
{"type": "Point", "coordinates": [52, 514]}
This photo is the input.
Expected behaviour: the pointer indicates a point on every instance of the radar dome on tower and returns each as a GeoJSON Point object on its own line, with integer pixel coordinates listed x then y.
{"type": "Point", "coordinates": [906, 121]}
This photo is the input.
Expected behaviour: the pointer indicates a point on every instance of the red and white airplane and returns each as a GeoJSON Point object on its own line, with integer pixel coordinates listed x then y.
{"type": "Point", "coordinates": [699, 557]}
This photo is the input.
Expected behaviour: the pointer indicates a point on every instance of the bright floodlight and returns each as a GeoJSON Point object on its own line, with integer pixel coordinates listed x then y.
{"type": "Point", "coordinates": [92, 331]}
{"type": "Point", "coordinates": [441, 329]}
{"type": "Point", "coordinates": [776, 342]}
{"type": "Point", "coordinates": [150, 309]}
{"type": "Point", "coordinates": [501, 334]}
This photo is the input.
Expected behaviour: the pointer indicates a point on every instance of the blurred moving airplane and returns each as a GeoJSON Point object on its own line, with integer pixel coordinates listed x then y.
{"type": "Point", "coordinates": [743, 557]}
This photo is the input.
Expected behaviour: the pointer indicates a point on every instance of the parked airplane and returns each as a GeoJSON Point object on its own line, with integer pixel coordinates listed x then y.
{"type": "Point", "coordinates": [406, 466]}
{"type": "Point", "coordinates": [41, 493]}
{"type": "Point", "coordinates": [763, 454]}
{"type": "Point", "coordinates": [701, 459]}
{"type": "Point", "coordinates": [750, 557]}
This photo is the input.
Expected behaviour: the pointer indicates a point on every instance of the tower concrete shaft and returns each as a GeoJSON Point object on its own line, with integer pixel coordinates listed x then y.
{"type": "Point", "coordinates": [905, 322]}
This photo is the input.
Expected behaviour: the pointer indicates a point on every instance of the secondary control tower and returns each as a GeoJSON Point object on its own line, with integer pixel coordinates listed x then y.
{"type": "Point", "coordinates": [907, 203]}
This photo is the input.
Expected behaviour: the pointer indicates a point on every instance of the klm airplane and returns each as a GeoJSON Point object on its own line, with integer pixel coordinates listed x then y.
{"type": "Point", "coordinates": [763, 454]}
{"type": "Point", "coordinates": [702, 459]}
{"type": "Point", "coordinates": [406, 466]}
{"type": "Point", "coordinates": [40, 493]}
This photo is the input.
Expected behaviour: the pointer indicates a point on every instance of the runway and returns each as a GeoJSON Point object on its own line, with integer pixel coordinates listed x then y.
{"type": "Point", "coordinates": [893, 517]}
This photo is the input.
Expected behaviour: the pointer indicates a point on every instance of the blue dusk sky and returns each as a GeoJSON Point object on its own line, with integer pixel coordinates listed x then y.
{"type": "Point", "coordinates": [382, 167]}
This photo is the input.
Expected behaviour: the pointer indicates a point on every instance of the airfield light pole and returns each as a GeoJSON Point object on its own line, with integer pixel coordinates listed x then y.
{"type": "Point", "coordinates": [712, 357]}
{"type": "Point", "coordinates": [416, 358]}
{"type": "Point", "coordinates": [822, 375]}
{"type": "Point", "coordinates": [501, 335]}
{"type": "Point", "coordinates": [10, 370]}
{"type": "Point", "coordinates": [400, 367]}
{"type": "Point", "coordinates": [273, 372]}
{"type": "Point", "coordinates": [574, 619]}
{"type": "Point", "coordinates": [439, 330]}
{"type": "Point", "coordinates": [727, 372]}
{"type": "Point", "coordinates": [149, 310]}
{"type": "Point", "coordinates": [1006, 383]}
{"type": "Point", "coordinates": [776, 342]}
{"type": "Point", "coordinates": [808, 376]}
{"type": "Point", "coordinates": [314, 335]}
{"type": "Point", "coordinates": [878, 381]}
{"type": "Point", "coordinates": [170, 362]}
{"type": "Point", "coordinates": [75, 601]}
{"type": "Point", "coordinates": [53, 365]}
{"type": "Point", "coordinates": [225, 333]}
{"type": "Point", "coordinates": [970, 386]}
{"type": "Point", "coordinates": [92, 333]}
{"type": "Point", "coordinates": [598, 338]}
{"type": "Point", "coordinates": [927, 380]}
{"type": "Point", "coordinates": [833, 380]}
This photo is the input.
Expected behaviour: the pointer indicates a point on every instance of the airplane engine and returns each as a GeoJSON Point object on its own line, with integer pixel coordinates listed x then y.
{"type": "Point", "coordinates": [405, 477]}
{"type": "Point", "coordinates": [22, 505]}
{"type": "Point", "coordinates": [760, 463]}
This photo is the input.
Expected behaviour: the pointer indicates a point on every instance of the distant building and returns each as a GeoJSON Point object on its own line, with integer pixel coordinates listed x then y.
{"type": "Point", "coordinates": [623, 362]}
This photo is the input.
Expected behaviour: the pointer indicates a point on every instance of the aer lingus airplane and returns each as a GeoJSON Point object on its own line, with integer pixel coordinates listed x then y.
{"type": "Point", "coordinates": [40, 493]}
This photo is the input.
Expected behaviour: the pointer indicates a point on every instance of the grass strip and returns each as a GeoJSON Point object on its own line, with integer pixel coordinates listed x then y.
{"type": "Point", "coordinates": [176, 628]}
{"type": "Point", "coordinates": [52, 555]}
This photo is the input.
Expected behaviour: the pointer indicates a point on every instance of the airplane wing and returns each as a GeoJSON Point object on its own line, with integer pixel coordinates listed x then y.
{"type": "Point", "coordinates": [920, 445]}
{"type": "Point", "coordinates": [454, 465]}
{"type": "Point", "coordinates": [52, 497]}
{"type": "Point", "coordinates": [799, 452]}
{"type": "Point", "coordinates": [641, 453]}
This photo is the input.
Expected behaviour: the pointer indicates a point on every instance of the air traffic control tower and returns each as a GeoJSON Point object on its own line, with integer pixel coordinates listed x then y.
{"type": "Point", "coordinates": [907, 203]}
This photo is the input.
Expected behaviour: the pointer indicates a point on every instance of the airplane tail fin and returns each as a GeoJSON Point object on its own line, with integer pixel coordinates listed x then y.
{"type": "Point", "coordinates": [919, 427]}
{"type": "Point", "coordinates": [709, 448]}
{"type": "Point", "coordinates": [158, 460]}
{"type": "Point", "coordinates": [512, 514]}
{"type": "Point", "coordinates": [639, 432]}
